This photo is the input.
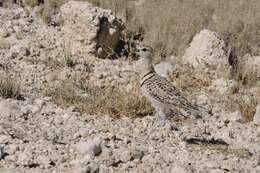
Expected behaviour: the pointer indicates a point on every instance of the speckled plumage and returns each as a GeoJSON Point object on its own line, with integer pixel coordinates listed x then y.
{"type": "Point", "coordinates": [162, 93]}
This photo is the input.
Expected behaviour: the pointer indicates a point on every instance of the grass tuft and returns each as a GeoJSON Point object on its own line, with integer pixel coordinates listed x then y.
{"type": "Point", "coordinates": [9, 88]}
{"type": "Point", "coordinates": [96, 100]}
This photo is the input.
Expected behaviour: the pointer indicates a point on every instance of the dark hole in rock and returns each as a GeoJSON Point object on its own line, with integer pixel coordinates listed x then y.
{"type": "Point", "coordinates": [33, 165]}
{"type": "Point", "coordinates": [109, 42]}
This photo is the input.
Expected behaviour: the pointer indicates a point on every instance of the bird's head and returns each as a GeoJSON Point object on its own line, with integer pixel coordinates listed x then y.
{"type": "Point", "coordinates": [144, 52]}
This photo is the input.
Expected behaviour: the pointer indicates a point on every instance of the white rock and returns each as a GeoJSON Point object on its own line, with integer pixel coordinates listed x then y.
{"type": "Point", "coordinates": [257, 115]}
{"type": "Point", "coordinates": [4, 33]}
{"type": "Point", "coordinates": [89, 168]}
{"type": "Point", "coordinates": [12, 149]}
{"type": "Point", "coordinates": [25, 158]}
{"type": "Point", "coordinates": [235, 116]}
{"type": "Point", "coordinates": [164, 68]}
{"type": "Point", "coordinates": [91, 147]}
{"type": "Point", "coordinates": [43, 160]}
{"type": "Point", "coordinates": [206, 51]}
{"type": "Point", "coordinates": [178, 169]}
{"type": "Point", "coordinates": [7, 108]}
{"type": "Point", "coordinates": [83, 23]}
{"type": "Point", "coordinates": [4, 139]}
{"type": "Point", "coordinates": [19, 50]}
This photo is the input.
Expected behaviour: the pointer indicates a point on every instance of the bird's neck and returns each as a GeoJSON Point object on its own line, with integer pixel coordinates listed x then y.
{"type": "Point", "coordinates": [147, 71]}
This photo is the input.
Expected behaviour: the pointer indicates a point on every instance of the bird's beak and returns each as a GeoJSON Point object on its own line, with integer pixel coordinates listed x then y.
{"type": "Point", "coordinates": [136, 54]}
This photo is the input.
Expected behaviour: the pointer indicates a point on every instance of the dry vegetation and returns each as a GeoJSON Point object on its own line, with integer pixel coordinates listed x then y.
{"type": "Point", "coordinates": [169, 25]}
{"type": "Point", "coordinates": [96, 100]}
{"type": "Point", "coordinates": [9, 88]}
{"type": "Point", "coordinates": [245, 103]}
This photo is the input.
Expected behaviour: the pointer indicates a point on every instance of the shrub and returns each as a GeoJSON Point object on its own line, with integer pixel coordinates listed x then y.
{"type": "Point", "coordinates": [9, 88]}
{"type": "Point", "coordinates": [96, 100]}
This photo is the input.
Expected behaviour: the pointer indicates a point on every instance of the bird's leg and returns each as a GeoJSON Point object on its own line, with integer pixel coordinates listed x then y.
{"type": "Point", "coordinates": [159, 121]}
{"type": "Point", "coordinates": [160, 118]}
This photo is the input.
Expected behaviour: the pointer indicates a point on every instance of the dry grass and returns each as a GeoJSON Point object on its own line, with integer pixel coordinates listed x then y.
{"type": "Point", "coordinates": [243, 102]}
{"type": "Point", "coordinates": [64, 60]}
{"type": "Point", "coordinates": [9, 88]}
{"type": "Point", "coordinates": [190, 79]}
{"type": "Point", "coordinates": [96, 100]}
{"type": "Point", "coordinates": [169, 25]}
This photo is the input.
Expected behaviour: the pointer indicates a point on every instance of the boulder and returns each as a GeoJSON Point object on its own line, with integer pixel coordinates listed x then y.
{"type": "Point", "coordinates": [93, 28]}
{"type": "Point", "coordinates": [206, 52]}
{"type": "Point", "coordinates": [91, 147]}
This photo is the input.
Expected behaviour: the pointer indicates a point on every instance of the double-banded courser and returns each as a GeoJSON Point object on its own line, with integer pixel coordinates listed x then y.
{"type": "Point", "coordinates": [162, 94]}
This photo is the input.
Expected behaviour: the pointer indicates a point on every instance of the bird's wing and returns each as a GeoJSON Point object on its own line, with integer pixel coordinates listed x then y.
{"type": "Point", "coordinates": [164, 91]}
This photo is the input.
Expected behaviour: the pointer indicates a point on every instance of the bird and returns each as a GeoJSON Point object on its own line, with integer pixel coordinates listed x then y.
{"type": "Point", "coordinates": [160, 92]}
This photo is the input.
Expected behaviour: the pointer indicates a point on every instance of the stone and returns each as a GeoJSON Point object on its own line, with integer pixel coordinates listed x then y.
{"type": "Point", "coordinates": [235, 116]}
{"type": "Point", "coordinates": [4, 139]}
{"type": "Point", "coordinates": [178, 169]}
{"type": "Point", "coordinates": [12, 149]}
{"type": "Point", "coordinates": [7, 108]}
{"type": "Point", "coordinates": [96, 29]}
{"type": "Point", "coordinates": [92, 147]}
{"type": "Point", "coordinates": [92, 168]}
{"type": "Point", "coordinates": [206, 52]}
{"type": "Point", "coordinates": [25, 158]}
{"type": "Point", "coordinates": [19, 50]}
{"type": "Point", "coordinates": [256, 119]}
{"type": "Point", "coordinates": [4, 33]}
{"type": "Point", "coordinates": [43, 160]}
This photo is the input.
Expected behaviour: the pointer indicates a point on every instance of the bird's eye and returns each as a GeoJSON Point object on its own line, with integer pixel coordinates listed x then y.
{"type": "Point", "coordinates": [144, 49]}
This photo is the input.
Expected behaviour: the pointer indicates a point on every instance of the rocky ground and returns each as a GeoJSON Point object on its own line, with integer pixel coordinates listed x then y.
{"type": "Point", "coordinates": [39, 135]}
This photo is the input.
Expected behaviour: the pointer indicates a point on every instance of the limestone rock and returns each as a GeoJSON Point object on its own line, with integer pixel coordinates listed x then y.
{"type": "Point", "coordinates": [235, 116]}
{"type": "Point", "coordinates": [91, 147]}
{"type": "Point", "coordinates": [206, 52]}
{"type": "Point", "coordinates": [97, 29]}
{"type": "Point", "coordinates": [7, 108]}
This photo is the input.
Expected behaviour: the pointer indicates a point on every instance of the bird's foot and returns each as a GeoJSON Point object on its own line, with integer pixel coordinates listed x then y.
{"type": "Point", "coordinates": [159, 121]}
